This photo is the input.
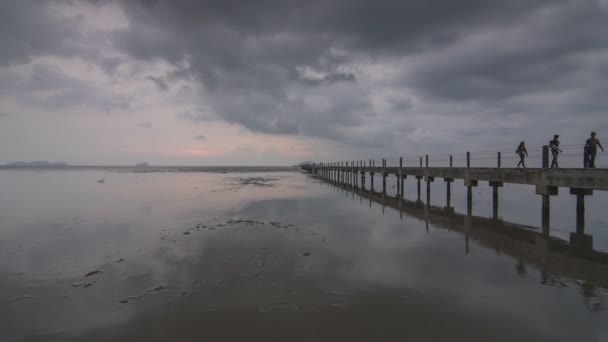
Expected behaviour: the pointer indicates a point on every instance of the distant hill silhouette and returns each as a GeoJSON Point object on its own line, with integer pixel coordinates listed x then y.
{"type": "Point", "coordinates": [141, 165]}
{"type": "Point", "coordinates": [38, 163]}
{"type": "Point", "coordinates": [306, 163]}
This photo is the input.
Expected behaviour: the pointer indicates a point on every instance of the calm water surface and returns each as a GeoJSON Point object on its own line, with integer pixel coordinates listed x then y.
{"type": "Point", "coordinates": [280, 256]}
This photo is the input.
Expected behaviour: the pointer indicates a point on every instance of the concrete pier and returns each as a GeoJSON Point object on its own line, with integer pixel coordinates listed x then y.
{"type": "Point", "coordinates": [581, 183]}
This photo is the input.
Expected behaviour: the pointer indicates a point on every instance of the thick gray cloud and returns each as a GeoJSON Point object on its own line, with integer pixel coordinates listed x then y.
{"type": "Point", "coordinates": [375, 74]}
{"type": "Point", "coordinates": [252, 57]}
{"type": "Point", "coordinates": [51, 89]}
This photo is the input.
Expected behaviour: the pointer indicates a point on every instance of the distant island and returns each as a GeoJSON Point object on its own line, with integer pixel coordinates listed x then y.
{"type": "Point", "coordinates": [306, 163]}
{"type": "Point", "coordinates": [141, 165]}
{"type": "Point", "coordinates": [38, 163]}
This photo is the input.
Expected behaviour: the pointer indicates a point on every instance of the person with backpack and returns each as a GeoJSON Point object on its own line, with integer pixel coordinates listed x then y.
{"type": "Point", "coordinates": [591, 146]}
{"type": "Point", "coordinates": [523, 153]}
{"type": "Point", "coordinates": [555, 150]}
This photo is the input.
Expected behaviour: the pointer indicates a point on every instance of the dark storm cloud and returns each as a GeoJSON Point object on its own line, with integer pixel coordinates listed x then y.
{"type": "Point", "coordinates": [249, 56]}
{"type": "Point", "coordinates": [30, 28]}
{"type": "Point", "coordinates": [51, 89]}
{"type": "Point", "coordinates": [546, 53]}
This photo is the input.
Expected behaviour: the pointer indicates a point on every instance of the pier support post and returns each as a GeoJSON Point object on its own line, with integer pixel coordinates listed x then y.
{"type": "Point", "coordinates": [351, 180]}
{"type": "Point", "coordinates": [363, 177]}
{"type": "Point", "coordinates": [470, 184]}
{"type": "Point", "coordinates": [371, 178]}
{"type": "Point", "coordinates": [384, 177]}
{"type": "Point", "coordinates": [495, 186]}
{"type": "Point", "coordinates": [338, 172]}
{"type": "Point", "coordinates": [428, 180]}
{"type": "Point", "coordinates": [401, 178]}
{"type": "Point", "coordinates": [334, 175]}
{"type": "Point", "coordinates": [546, 212]}
{"type": "Point", "coordinates": [418, 178]}
{"type": "Point", "coordinates": [546, 192]}
{"type": "Point", "coordinates": [448, 192]}
{"type": "Point", "coordinates": [580, 239]}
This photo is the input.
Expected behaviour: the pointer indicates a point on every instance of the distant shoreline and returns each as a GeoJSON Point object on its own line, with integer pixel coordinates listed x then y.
{"type": "Point", "coordinates": [150, 169]}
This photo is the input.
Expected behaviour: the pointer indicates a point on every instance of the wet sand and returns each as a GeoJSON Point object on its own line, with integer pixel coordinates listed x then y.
{"type": "Point", "coordinates": [269, 256]}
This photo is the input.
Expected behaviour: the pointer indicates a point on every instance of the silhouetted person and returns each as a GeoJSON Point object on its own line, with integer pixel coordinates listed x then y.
{"type": "Point", "coordinates": [555, 150]}
{"type": "Point", "coordinates": [523, 153]}
{"type": "Point", "coordinates": [591, 146]}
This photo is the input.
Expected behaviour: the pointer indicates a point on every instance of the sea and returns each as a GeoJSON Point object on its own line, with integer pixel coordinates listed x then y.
{"type": "Point", "coordinates": [278, 254]}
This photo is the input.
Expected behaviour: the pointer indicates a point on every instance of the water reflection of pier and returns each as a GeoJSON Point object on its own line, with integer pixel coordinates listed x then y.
{"type": "Point", "coordinates": [530, 246]}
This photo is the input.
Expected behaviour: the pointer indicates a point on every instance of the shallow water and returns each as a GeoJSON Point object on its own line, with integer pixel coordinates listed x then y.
{"type": "Point", "coordinates": [276, 256]}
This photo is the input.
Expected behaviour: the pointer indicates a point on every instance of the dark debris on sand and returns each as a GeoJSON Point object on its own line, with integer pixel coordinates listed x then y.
{"type": "Point", "coordinates": [92, 273]}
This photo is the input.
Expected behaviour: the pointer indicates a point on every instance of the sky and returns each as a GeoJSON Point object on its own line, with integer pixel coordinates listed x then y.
{"type": "Point", "coordinates": [275, 82]}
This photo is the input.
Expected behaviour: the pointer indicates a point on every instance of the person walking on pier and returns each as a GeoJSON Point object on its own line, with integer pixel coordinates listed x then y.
{"type": "Point", "coordinates": [555, 150]}
{"type": "Point", "coordinates": [523, 153]}
{"type": "Point", "coordinates": [591, 146]}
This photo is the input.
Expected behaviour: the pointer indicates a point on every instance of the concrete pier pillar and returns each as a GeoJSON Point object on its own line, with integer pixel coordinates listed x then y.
{"type": "Point", "coordinates": [363, 177]}
{"type": "Point", "coordinates": [580, 214]}
{"type": "Point", "coordinates": [470, 184]}
{"type": "Point", "coordinates": [495, 202]}
{"type": "Point", "coordinates": [398, 185]}
{"type": "Point", "coordinates": [384, 177]}
{"type": "Point", "coordinates": [428, 180]}
{"type": "Point", "coordinates": [401, 178]}
{"type": "Point", "coordinates": [448, 192]}
{"type": "Point", "coordinates": [495, 186]}
{"type": "Point", "coordinates": [580, 239]}
{"type": "Point", "coordinates": [384, 183]}
{"type": "Point", "coordinates": [351, 175]}
{"type": "Point", "coordinates": [418, 178]}
{"type": "Point", "coordinates": [336, 173]}
{"type": "Point", "coordinates": [333, 172]}
{"type": "Point", "coordinates": [546, 192]}
{"type": "Point", "coordinates": [546, 214]}
{"type": "Point", "coordinates": [348, 173]}
{"type": "Point", "coordinates": [371, 179]}
{"type": "Point", "coordinates": [469, 201]}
